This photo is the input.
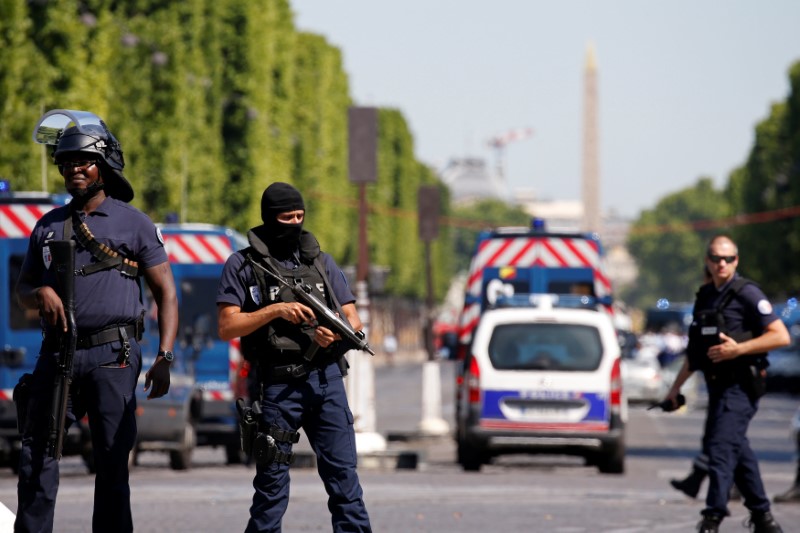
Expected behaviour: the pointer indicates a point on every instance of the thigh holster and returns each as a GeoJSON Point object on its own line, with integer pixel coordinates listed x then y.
{"type": "Point", "coordinates": [260, 442]}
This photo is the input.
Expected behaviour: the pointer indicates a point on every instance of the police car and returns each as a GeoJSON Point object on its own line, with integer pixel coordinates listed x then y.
{"type": "Point", "coordinates": [542, 375]}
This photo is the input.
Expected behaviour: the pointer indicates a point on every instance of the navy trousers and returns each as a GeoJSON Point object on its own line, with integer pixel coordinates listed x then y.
{"type": "Point", "coordinates": [318, 404]}
{"type": "Point", "coordinates": [105, 391]}
{"type": "Point", "coordinates": [730, 458]}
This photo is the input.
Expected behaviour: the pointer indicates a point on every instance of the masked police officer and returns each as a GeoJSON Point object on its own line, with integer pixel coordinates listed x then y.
{"type": "Point", "coordinates": [116, 244]}
{"type": "Point", "coordinates": [299, 364]}
{"type": "Point", "coordinates": [733, 329]}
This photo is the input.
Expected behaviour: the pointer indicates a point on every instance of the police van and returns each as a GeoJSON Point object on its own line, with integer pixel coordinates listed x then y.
{"type": "Point", "coordinates": [199, 408]}
{"type": "Point", "coordinates": [542, 375]}
{"type": "Point", "coordinates": [532, 260]}
{"type": "Point", "coordinates": [197, 254]}
{"type": "Point", "coordinates": [20, 329]}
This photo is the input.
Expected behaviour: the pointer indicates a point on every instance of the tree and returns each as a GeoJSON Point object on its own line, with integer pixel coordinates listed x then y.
{"type": "Point", "coordinates": [668, 243]}
{"type": "Point", "coordinates": [471, 219]}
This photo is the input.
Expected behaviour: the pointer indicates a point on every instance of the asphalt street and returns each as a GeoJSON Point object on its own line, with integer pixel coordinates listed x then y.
{"type": "Point", "coordinates": [515, 493]}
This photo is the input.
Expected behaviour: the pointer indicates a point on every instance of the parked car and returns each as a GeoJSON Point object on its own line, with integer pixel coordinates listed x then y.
{"type": "Point", "coordinates": [168, 424]}
{"type": "Point", "coordinates": [542, 380]}
{"type": "Point", "coordinates": [783, 373]}
{"type": "Point", "coordinates": [642, 380]}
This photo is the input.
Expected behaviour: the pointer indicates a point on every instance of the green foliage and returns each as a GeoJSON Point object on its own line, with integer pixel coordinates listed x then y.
{"type": "Point", "coordinates": [758, 208]}
{"type": "Point", "coordinates": [472, 219]}
{"type": "Point", "coordinates": [768, 182]}
{"type": "Point", "coordinates": [212, 101]}
{"type": "Point", "coordinates": [669, 242]}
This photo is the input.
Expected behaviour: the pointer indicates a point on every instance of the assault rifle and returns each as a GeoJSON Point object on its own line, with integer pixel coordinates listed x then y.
{"type": "Point", "coordinates": [303, 294]}
{"type": "Point", "coordinates": [63, 253]}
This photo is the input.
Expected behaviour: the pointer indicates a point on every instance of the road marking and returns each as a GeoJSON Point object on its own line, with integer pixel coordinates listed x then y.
{"type": "Point", "coordinates": [6, 518]}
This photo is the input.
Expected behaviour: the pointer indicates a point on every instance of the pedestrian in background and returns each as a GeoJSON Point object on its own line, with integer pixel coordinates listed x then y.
{"type": "Point", "coordinates": [792, 495]}
{"type": "Point", "coordinates": [734, 327]}
{"type": "Point", "coordinates": [279, 335]}
{"type": "Point", "coordinates": [109, 316]}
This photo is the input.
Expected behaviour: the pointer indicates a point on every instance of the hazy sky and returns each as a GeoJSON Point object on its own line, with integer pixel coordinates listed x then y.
{"type": "Point", "coordinates": [681, 84]}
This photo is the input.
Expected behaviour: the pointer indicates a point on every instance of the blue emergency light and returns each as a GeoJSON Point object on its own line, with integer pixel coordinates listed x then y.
{"type": "Point", "coordinates": [537, 224]}
{"type": "Point", "coordinates": [5, 186]}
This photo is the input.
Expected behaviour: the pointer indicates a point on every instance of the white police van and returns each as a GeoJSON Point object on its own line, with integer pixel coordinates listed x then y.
{"type": "Point", "coordinates": [542, 375]}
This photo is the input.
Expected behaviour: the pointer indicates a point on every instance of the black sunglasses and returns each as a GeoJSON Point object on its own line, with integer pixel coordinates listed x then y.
{"type": "Point", "coordinates": [718, 258]}
{"type": "Point", "coordinates": [82, 164]}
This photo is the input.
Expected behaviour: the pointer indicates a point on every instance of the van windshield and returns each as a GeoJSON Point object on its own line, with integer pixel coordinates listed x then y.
{"type": "Point", "coordinates": [197, 310]}
{"type": "Point", "coordinates": [551, 347]}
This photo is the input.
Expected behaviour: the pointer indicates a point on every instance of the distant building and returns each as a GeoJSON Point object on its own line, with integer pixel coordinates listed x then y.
{"type": "Point", "coordinates": [559, 215]}
{"type": "Point", "coordinates": [470, 180]}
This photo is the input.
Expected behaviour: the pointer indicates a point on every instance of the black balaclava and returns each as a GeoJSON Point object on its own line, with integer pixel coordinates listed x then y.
{"type": "Point", "coordinates": [282, 239]}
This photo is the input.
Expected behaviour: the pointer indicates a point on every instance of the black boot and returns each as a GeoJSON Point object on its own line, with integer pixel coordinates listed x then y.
{"type": "Point", "coordinates": [709, 524]}
{"type": "Point", "coordinates": [764, 522]}
{"type": "Point", "coordinates": [691, 485]}
{"type": "Point", "coordinates": [791, 495]}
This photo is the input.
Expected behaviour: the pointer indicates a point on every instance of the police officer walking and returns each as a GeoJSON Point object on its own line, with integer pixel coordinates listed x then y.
{"type": "Point", "coordinates": [733, 329]}
{"type": "Point", "coordinates": [116, 244]}
{"type": "Point", "coordinates": [300, 364]}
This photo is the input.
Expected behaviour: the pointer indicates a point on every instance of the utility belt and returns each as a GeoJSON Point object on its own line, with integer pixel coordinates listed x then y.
{"type": "Point", "coordinates": [117, 332]}
{"type": "Point", "coordinates": [261, 442]}
{"type": "Point", "coordinates": [286, 373]}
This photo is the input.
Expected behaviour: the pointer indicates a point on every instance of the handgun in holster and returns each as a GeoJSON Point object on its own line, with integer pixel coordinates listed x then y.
{"type": "Point", "coordinates": [261, 443]}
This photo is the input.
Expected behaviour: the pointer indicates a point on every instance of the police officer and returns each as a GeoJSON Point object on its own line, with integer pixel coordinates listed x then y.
{"type": "Point", "coordinates": [280, 335]}
{"type": "Point", "coordinates": [733, 329]}
{"type": "Point", "coordinates": [108, 313]}
{"type": "Point", "coordinates": [690, 485]}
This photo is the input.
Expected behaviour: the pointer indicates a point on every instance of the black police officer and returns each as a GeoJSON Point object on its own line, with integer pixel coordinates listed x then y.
{"type": "Point", "coordinates": [734, 327]}
{"type": "Point", "coordinates": [277, 333]}
{"type": "Point", "coordinates": [108, 313]}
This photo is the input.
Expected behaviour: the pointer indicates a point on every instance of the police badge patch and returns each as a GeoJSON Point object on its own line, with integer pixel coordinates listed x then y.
{"type": "Point", "coordinates": [47, 257]}
{"type": "Point", "coordinates": [255, 294]}
{"type": "Point", "coordinates": [764, 307]}
{"type": "Point", "coordinates": [159, 236]}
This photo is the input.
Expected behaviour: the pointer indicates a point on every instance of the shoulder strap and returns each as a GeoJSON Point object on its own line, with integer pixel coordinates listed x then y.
{"type": "Point", "coordinates": [737, 285]}
{"type": "Point", "coordinates": [328, 288]}
{"type": "Point", "coordinates": [106, 257]}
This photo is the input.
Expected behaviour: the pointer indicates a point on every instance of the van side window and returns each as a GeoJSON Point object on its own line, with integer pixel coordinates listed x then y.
{"type": "Point", "coordinates": [20, 318]}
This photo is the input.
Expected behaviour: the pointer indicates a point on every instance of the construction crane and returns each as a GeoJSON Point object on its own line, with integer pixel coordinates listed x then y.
{"type": "Point", "coordinates": [499, 142]}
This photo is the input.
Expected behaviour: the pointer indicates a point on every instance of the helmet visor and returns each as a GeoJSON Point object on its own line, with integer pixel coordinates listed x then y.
{"type": "Point", "coordinates": [52, 123]}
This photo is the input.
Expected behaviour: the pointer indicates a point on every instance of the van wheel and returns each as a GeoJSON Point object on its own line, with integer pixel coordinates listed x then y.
{"type": "Point", "coordinates": [181, 459]}
{"type": "Point", "coordinates": [613, 461]}
{"type": "Point", "coordinates": [470, 458]}
{"type": "Point", "coordinates": [234, 454]}
{"type": "Point", "coordinates": [133, 457]}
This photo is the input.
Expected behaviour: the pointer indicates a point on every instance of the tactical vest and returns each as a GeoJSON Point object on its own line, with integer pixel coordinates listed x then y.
{"type": "Point", "coordinates": [281, 342]}
{"type": "Point", "coordinates": [706, 327]}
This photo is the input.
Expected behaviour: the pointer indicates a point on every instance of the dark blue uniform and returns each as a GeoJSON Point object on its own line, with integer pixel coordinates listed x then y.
{"type": "Point", "coordinates": [316, 402]}
{"type": "Point", "coordinates": [104, 382]}
{"type": "Point", "coordinates": [731, 403]}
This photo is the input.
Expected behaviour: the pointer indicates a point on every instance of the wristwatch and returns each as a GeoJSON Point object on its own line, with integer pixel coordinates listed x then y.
{"type": "Point", "coordinates": [167, 355]}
